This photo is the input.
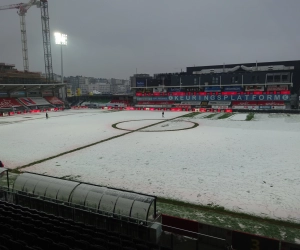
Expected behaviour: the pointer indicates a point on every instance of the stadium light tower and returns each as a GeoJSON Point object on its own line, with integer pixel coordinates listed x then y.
{"type": "Point", "coordinates": [62, 40]}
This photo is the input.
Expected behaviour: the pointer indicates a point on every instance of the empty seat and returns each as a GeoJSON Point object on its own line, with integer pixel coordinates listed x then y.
{"type": "Point", "coordinates": [4, 239]}
{"type": "Point", "coordinates": [100, 235]}
{"type": "Point", "coordinates": [114, 239]}
{"type": "Point", "coordinates": [41, 242]}
{"type": "Point", "coordinates": [16, 245]}
{"type": "Point", "coordinates": [127, 243]}
{"type": "Point", "coordinates": [69, 241]}
{"type": "Point", "coordinates": [73, 233]}
{"type": "Point", "coordinates": [41, 231]}
{"type": "Point", "coordinates": [58, 230]}
{"type": "Point", "coordinates": [3, 227]}
{"type": "Point", "coordinates": [31, 238]}
{"type": "Point", "coordinates": [48, 243]}
{"type": "Point", "coordinates": [96, 247]}
{"type": "Point", "coordinates": [153, 246]}
{"type": "Point", "coordinates": [3, 248]}
{"type": "Point", "coordinates": [86, 237]}
{"type": "Point", "coordinates": [101, 242]}
{"type": "Point", "coordinates": [60, 246]}
{"type": "Point", "coordinates": [142, 247]}
{"type": "Point", "coordinates": [114, 246]}
{"type": "Point", "coordinates": [81, 244]}
{"type": "Point", "coordinates": [37, 248]}
{"type": "Point", "coordinates": [47, 226]}
{"type": "Point", "coordinates": [19, 232]}
{"type": "Point", "coordinates": [54, 236]}
{"type": "Point", "coordinates": [27, 227]}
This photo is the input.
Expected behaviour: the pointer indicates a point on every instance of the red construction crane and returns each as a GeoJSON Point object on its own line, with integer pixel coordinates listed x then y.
{"type": "Point", "coordinates": [22, 10]}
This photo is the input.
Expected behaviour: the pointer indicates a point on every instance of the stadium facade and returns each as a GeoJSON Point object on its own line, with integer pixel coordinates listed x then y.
{"type": "Point", "coordinates": [267, 85]}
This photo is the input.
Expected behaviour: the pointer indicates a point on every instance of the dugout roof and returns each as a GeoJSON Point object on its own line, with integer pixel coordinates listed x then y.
{"type": "Point", "coordinates": [91, 197]}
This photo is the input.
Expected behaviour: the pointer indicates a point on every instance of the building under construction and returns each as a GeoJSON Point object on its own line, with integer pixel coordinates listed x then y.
{"type": "Point", "coordinates": [10, 75]}
{"type": "Point", "coordinates": [15, 83]}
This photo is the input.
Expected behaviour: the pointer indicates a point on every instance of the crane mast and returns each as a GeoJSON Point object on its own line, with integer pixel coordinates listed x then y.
{"type": "Point", "coordinates": [24, 43]}
{"type": "Point", "coordinates": [22, 13]}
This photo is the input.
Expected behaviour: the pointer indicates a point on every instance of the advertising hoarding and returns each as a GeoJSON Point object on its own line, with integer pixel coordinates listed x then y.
{"type": "Point", "coordinates": [277, 88]}
{"type": "Point", "coordinates": [227, 98]}
{"type": "Point", "coordinates": [212, 89]}
{"type": "Point", "coordinates": [254, 88]}
{"type": "Point", "coordinates": [233, 88]}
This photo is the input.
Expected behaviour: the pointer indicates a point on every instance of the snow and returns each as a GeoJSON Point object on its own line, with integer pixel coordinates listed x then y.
{"type": "Point", "coordinates": [216, 116]}
{"type": "Point", "coordinates": [170, 125]}
{"type": "Point", "coordinates": [133, 125]}
{"type": "Point", "coordinates": [238, 117]}
{"type": "Point", "coordinates": [30, 137]}
{"type": "Point", "coordinates": [246, 166]}
{"type": "Point", "coordinates": [202, 115]}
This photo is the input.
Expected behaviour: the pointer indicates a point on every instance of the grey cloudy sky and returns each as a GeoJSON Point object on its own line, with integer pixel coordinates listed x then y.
{"type": "Point", "coordinates": [111, 38]}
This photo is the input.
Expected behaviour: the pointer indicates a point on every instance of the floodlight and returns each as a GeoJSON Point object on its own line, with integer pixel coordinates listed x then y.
{"type": "Point", "coordinates": [60, 38]}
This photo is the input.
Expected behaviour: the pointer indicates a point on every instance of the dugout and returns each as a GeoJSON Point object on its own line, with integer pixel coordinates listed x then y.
{"type": "Point", "coordinates": [33, 190]}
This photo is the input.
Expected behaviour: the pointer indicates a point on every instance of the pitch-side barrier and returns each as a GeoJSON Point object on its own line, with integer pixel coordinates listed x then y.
{"type": "Point", "coordinates": [32, 111]}
{"type": "Point", "coordinates": [170, 109]}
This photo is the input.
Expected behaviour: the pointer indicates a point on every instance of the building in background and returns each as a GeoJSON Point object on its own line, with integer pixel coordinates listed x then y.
{"type": "Point", "coordinates": [119, 86]}
{"type": "Point", "coordinates": [134, 79]}
{"type": "Point", "coordinates": [74, 82]}
{"type": "Point", "coordinates": [267, 85]}
{"type": "Point", "coordinates": [91, 85]}
{"type": "Point", "coordinates": [104, 87]}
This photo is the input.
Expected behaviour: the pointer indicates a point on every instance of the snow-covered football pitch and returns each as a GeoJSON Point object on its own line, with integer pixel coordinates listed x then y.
{"type": "Point", "coordinates": [245, 166]}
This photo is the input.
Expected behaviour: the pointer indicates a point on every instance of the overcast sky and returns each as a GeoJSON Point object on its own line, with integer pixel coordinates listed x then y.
{"type": "Point", "coordinates": [111, 38]}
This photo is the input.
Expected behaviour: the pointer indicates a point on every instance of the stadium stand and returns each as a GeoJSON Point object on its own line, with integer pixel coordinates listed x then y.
{"type": "Point", "coordinates": [37, 206]}
{"type": "Point", "coordinates": [24, 228]}
{"type": "Point", "coordinates": [119, 101]}
{"type": "Point", "coordinates": [54, 100]}
{"type": "Point", "coordinates": [9, 103]}
{"type": "Point", "coordinates": [24, 104]}
{"type": "Point", "coordinates": [34, 101]}
{"type": "Point", "coordinates": [75, 103]}
{"type": "Point", "coordinates": [44, 212]}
